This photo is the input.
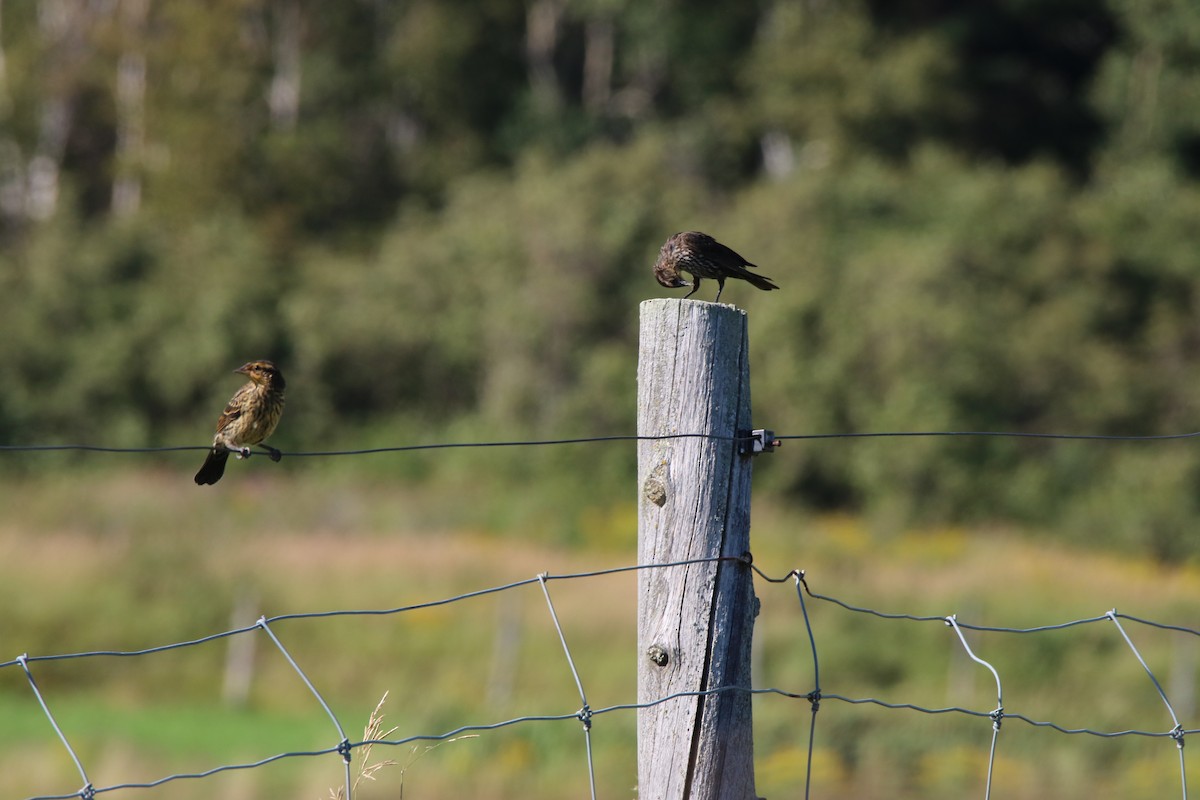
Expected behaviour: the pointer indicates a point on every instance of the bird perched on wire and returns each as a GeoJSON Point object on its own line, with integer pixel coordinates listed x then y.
{"type": "Point", "coordinates": [249, 417]}
{"type": "Point", "coordinates": [704, 257]}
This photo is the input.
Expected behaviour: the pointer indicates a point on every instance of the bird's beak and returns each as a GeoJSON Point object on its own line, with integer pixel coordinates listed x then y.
{"type": "Point", "coordinates": [241, 369]}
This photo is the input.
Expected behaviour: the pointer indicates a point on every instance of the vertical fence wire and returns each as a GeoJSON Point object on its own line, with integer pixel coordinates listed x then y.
{"type": "Point", "coordinates": [87, 791]}
{"type": "Point", "coordinates": [585, 711]}
{"type": "Point", "coordinates": [814, 697]}
{"type": "Point", "coordinates": [1176, 732]}
{"type": "Point", "coordinates": [343, 748]}
{"type": "Point", "coordinates": [996, 715]}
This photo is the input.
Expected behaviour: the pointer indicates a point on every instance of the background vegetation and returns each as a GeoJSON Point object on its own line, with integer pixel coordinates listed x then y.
{"type": "Point", "coordinates": [439, 218]}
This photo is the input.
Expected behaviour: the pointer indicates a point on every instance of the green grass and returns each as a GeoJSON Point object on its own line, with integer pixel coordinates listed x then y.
{"type": "Point", "coordinates": [134, 560]}
{"type": "Point", "coordinates": [209, 732]}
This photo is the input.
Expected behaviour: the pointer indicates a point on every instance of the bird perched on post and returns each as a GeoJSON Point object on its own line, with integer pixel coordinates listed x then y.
{"type": "Point", "coordinates": [704, 257]}
{"type": "Point", "coordinates": [249, 417]}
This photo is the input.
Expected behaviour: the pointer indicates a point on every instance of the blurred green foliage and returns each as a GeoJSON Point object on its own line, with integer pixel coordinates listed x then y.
{"type": "Point", "coordinates": [440, 217]}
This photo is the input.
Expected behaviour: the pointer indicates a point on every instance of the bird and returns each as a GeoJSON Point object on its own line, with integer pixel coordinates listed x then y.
{"type": "Point", "coordinates": [249, 417]}
{"type": "Point", "coordinates": [704, 257]}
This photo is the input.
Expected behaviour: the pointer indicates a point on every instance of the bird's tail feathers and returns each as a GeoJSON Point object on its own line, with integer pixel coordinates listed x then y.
{"type": "Point", "coordinates": [214, 467]}
{"type": "Point", "coordinates": [758, 281]}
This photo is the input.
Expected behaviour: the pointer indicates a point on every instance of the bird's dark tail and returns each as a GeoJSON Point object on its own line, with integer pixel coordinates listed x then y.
{"type": "Point", "coordinates": [214, 467]}
{"type": "Point", "coordinates": [756, 280]}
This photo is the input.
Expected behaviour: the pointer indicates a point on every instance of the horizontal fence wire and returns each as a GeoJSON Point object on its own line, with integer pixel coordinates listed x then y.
{"type": "Point", "coordinates": [36, 448]}
{"type": "Point", "coordinates": [586, 715]}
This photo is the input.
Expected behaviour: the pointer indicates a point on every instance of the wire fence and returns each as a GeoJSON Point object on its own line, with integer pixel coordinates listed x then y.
{"type": "Point", "coordinates": [745, 438]}
{"type": "Point", "coordinates": [809, 687]}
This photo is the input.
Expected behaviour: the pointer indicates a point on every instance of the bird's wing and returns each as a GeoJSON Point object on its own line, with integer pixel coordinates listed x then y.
{"type": "Point", "coordinates": [727, 256]}
{"type": "Point", "coordinates": [233, 409]}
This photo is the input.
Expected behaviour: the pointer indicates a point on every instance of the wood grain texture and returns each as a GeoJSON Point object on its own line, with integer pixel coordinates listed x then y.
{"type": "Point", "coordinates": [695, 622]}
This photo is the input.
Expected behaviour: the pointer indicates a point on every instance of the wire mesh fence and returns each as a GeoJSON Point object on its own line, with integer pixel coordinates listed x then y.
{"type": "Point", "coordinates": [810, 686]}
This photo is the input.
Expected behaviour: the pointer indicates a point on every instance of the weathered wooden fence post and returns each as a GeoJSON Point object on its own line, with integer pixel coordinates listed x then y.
{"type": "Point", "coordinates": [695, 622]}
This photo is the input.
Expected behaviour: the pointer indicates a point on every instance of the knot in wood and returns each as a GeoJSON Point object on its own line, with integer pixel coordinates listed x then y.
{"type": "Point", "coordinates": [658, 655]}
{"type": "Point", "coordinates": [655, 488]}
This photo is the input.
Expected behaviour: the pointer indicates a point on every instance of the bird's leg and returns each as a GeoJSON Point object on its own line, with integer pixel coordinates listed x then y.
{"type": "Point", "coordinates": [272, 452]}
{"type": "Point", "coordinates": [720, 288]}
{"type": "Point", "coordinates": [240, 452]}
{"type": "Point", "coordinates": [695, 286]}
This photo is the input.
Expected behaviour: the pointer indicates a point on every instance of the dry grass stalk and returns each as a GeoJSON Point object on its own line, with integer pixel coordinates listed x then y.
{"type": "Point", "coordinates": [374, 732]}
{"type": "Point", "coordinates": [366, 771]}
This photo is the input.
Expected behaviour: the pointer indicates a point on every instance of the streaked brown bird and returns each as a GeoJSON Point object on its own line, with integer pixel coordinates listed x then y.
{"type": "Point", "coordinates": [704, 257]}
{"type": "Point", "coordinates": [249, 417]}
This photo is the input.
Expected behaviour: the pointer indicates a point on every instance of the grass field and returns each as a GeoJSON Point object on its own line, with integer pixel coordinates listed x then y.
{"type": "Point", "coordinates": [130, 560]}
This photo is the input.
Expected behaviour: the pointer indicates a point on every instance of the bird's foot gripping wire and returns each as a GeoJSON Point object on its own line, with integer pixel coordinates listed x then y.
{"type": "Point", "coordinates": [246, 452]}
